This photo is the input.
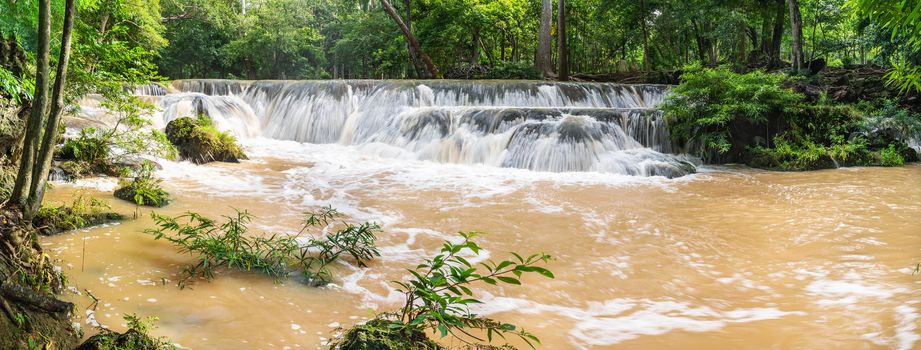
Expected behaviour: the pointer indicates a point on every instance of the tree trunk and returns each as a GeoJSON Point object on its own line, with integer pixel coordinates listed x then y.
{"type": "Point", "coordinates": [544, 51]}
{"type": "Point", "coordinates": [43, 159]}
{"type": "Point", "coordinates": [777, 38]}
{"type": "Point", "coordinates": [475, 47]}
{"type": "Point", "coordinates": [796, 30]}
{"type": "Point", "coordinates": [33, 132]}
{"type": "Point", "coordinates": [561, 39]}
{"type": "Point", "coordinates": [408, 17]}
{"type": "Point", "coordinates": [766, 33]}
{"type": "Point", "coordinates": [647, 66]}
{"type": "Point", "coordinates": [427, 66]}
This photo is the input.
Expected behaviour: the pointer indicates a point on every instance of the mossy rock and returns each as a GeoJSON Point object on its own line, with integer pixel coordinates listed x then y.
{"type": "Point", "coordinates": [128, 192]}
{"type": "Point", "coordinates": [132, 339]}
{"type": "Point", "coordinates": [199, 142]}
{"type": "Point", "coordinates": [54, 220]}
{"type": "Point", "coordinates": [376, 335]}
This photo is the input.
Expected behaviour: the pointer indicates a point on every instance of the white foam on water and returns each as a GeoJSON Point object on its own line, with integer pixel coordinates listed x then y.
{"type": "Point", "coordinates": [101, 184]}
{"type": "Point", "coordinates": [615, 321]}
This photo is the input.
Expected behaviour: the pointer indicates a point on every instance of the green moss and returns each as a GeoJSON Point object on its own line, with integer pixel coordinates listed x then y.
{"type": "Point", "coordinates": [197, 140]}
{"type": "Point", "coordinates": [81, 212]}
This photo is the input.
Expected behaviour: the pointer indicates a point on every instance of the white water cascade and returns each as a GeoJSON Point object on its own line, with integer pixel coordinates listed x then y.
{"type": "Point", "coordinates": [556, 127]}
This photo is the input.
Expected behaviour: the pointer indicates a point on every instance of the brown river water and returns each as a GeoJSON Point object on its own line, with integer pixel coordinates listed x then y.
{"type": "Point", "coordinates": [727, 258]}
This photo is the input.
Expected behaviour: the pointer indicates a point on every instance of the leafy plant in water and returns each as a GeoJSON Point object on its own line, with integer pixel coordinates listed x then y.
{"type": "Point", "coordinates": [228, 245]}
{"type": "Point", "coordinates": [145, 188]}
{"type": "Point", "coordinates": [438, 294]}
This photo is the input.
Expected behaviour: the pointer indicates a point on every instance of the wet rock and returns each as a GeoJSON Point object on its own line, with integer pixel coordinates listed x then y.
{"type": "Point", "coordinates": [199, 142]}
{"type": "Point", "coordinates": [128, 191]}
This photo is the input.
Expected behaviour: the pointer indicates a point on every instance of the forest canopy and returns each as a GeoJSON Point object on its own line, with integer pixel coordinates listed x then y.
{"type": "Point", "coordinates": [320, 39]}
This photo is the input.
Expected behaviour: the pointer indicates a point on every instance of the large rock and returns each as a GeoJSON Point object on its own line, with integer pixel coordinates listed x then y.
{"type": "Point", "coordinates": [197, 141]}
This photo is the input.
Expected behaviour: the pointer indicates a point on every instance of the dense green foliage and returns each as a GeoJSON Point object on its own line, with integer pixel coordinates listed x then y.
{"type": "Point", "coordinates": [900, 37]}
{"type": "Point", "coordinates": [711, 107]}
{"type": "Point", "coordinates": [298, 39]}
{"type": "Point", "coordinates": [437, 297]}
{"type": "Point", "coordinates": [199, 141]}
{"type": "Point", "coordinates": [228, 245]}
{"type": "Point", "coordinates": [144, 189]}
{"type": "Point", "coordinates": [757, 119]}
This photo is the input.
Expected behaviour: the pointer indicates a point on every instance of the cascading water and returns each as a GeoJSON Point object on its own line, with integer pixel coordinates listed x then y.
{"type": "Point", "coordinates": [556, 127]}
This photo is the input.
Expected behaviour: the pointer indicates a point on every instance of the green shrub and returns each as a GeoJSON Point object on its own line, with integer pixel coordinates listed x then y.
{"type": "Point", "coordinates": [144, 189]}
{"type": "Point", "coordinates": [437, 296]}
{"type": "Point", "coordinates": [16, 89]}
{"type": "Point", "coordinates": [716, 112]}
{"type": "Point", "coordinates": [199, 141]}
{"type": "Point", "coordinates": [227, 245]}
{"type": "Point", "coordinates": [91, 150]}
{"type": "Point", "coordinates": [891, 157]}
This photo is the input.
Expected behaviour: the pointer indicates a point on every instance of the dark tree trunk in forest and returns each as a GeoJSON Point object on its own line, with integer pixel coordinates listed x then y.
{"type": "Point", "coordinates": [647, 65]}
{"type": "Point", "coordinates": [544, 51]}
{"type": "Point", "coordinates": [766, 32]}
{"type": "Point", "coordinates": [475, 47]}
{"type": "Point", "coordinates": [42, 130]}
{"type": "Point", "coordinates": [777, 38]}
{"type": "Point", "coordinates": [426, 66]}
{"type": "Point", "coordinates": [561, 38]}
{"type": "Point", "coordinates": [796, 30]}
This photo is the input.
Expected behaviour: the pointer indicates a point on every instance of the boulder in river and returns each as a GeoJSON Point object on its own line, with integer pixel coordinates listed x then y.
{"type": "Point", "coordinates": [198, 141]}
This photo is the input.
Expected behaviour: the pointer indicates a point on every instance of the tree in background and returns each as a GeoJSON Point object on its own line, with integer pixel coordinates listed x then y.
{"type": "Point", "coordinates": [561, 39]}
{"type": "Point", "coordinates": [902, 19]}
{"type": "Point", "coordinates": [543, 59]}
{"type": "Point", "coordinates": [426, 67]}
{"type": "Point", "coordinates": [796, 30]}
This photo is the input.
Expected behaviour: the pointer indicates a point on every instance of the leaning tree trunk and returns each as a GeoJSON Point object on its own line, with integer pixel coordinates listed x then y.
{"type": "Point", "coordinates": [561, 38]}
{"type": "Point", "coordinates": [43, 157]}
{"type": "Point", "coordinates": [408, 4]}
{"type": "Point", "coordinates": [427, 66]}
{"type": "Point", "coordinates": [796, 29]}
{"type": "Point", "coordinates": [21, 188]}
{"type": "Point", "coordinates": [544, 51]}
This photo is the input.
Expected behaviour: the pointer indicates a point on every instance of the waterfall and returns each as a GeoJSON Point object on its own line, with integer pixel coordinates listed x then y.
{"type": "Point", "coordinates": [539, 126]}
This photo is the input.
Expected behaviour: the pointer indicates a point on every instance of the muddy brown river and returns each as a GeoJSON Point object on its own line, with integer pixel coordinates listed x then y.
{"type": "Point", "coordinates": [729, 257]}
